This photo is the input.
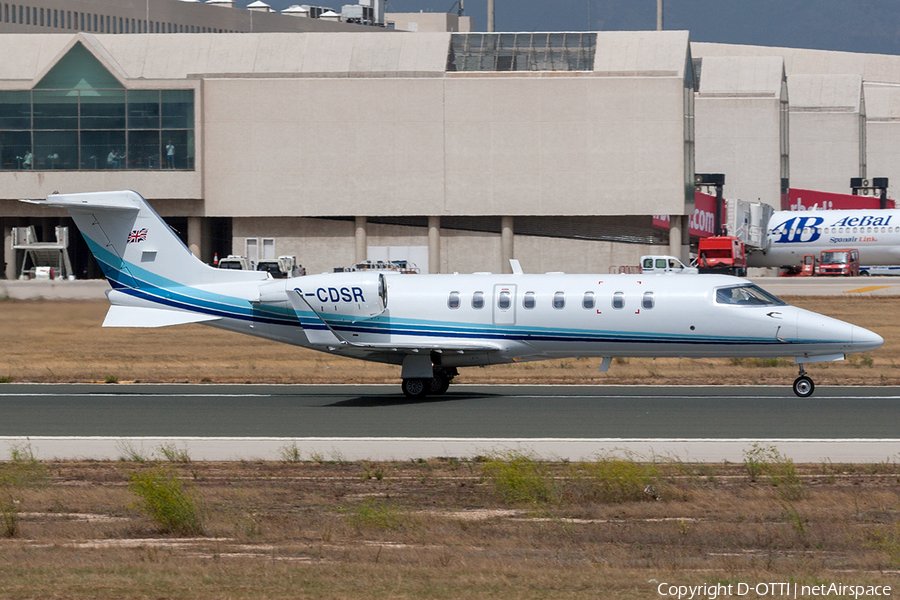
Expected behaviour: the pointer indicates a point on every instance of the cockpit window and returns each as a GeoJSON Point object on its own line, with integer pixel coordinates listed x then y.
{"type": "Point", "coordinates": [747, 295]}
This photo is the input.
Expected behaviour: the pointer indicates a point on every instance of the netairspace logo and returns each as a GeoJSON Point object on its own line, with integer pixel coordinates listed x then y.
{"type": "Point", "coordinates": [774, 590]}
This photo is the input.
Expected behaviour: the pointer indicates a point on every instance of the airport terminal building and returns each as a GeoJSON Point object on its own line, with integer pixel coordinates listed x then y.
{"type": "Point", "coordinates": [457, 151]}
{"type": "Point", "coordinates": [261, 134]}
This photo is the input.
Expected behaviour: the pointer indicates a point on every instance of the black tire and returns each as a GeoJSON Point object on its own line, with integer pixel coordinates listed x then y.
{"type": "Point", "coordinates": [440, 383]}
{"type": "Point", "coordinates": [416, 388]}
{"type": "Point", "coordinates": [804, 386]}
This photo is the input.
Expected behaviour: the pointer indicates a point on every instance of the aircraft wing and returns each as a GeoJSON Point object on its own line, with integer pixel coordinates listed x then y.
{"type": "Point", "coordinates": [331, 338]}
{"type": "Point", "coordinates": [139, 316]}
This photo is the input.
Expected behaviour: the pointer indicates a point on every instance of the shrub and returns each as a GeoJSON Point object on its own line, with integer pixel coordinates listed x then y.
{"type": "Point", "coordinates": [9, 513]}
{"type": "Point", "coordinates": [22, 471]}
{"type": "Point", "coordinates": [290, 453]}
{"type": "Point", "coordinates": [614, 479]}
{"type": "Point", "coordinates": [778, 468]}
{"type": "Point", "coordinates": [520, 478]}
{"type": "Point", "coordinates": [173, 453]}
{"type": "Point", "coordinates": [165, 499]}
{"type": "Point", "coordinates": [376, 515]}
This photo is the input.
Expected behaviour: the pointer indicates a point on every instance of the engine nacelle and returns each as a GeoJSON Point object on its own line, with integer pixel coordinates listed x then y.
{"type": "Point", "coordinates": [362, 295]}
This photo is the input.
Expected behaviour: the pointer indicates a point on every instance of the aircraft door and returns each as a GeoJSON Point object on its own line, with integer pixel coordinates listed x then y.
{"type": "Point", "coordinates": [504, 304]}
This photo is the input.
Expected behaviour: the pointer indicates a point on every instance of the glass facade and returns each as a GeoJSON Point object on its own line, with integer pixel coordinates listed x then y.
{"type": "Point", "coordinates": [79, 117]}
{"type": "Point", "coordinates": [569, 51]}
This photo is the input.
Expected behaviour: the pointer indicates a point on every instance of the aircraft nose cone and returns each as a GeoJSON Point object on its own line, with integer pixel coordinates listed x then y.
{"type": "Point", "coordinates": [863, 339]}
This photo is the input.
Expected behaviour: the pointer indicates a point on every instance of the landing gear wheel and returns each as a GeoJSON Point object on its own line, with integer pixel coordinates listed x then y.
{"type": "Point", "coordinates": [416, 388]}
{"type": "Point", "coordinates": [804, 386]}
{"type": "Point", "coordinates": [440, 383]}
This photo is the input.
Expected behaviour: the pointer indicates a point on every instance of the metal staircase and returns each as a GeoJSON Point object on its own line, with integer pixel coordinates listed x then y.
{"type": "Point", "coordinates": [40, 255]}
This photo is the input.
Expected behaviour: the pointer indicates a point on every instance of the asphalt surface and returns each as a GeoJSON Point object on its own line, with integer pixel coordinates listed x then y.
{"type": "Point", "coordinates": [486, 412]}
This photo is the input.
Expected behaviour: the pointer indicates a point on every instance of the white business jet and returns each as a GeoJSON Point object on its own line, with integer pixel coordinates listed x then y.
{"type": "Point", "coordinates": [874, 232]}
{"type": "Point", "coordinates": [432, 325]}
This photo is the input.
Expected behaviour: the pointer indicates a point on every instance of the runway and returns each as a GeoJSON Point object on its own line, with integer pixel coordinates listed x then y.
{"type": "Point", "coordinates": [229, 422]}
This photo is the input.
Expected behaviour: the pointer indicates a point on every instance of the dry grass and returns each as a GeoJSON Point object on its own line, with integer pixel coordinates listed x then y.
{"type": "Point", "coordinates": [441, 529]}
{"type": "Point", "coordinates": [63, 342]}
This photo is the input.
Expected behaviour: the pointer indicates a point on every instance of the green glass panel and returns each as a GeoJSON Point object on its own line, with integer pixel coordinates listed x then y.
{"type": "Point", "coordinates": [56, 109]}
{"type": "Point", "coordinates": [15, 146]}
{"type": "Point", "coordinates": [103, 149]}
{"type": "Point", "coordinates": [56, 149]}
{"type": "Point", "coordinates": [15, 110]}
{"type": "Point", "coordinates": [178, 109]}
{"type": "Point", "coordinates": [78, 70]}
{"type": "Point", "coordinates": [178, 149]}
{"type": "Point", "coordinates": [143, 109]}
{"type": "Point", "coordinates": [103, 109]}
{"type": "Point", "coordinates": [143, 150]}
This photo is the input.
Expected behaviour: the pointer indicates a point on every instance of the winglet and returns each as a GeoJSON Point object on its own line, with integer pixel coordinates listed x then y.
{"type": "Point", "coordinates": [516, 267]}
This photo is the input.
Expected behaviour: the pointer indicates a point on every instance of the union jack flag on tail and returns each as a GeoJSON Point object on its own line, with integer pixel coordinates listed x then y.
{"type": "Point", "coordinates": [137, 235]}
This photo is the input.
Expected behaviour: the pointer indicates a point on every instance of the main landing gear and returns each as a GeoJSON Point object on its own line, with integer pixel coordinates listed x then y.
{"type": "Point", "coordinates": [803, 385]}
{"type": "Point", "coordinates": [435, 386]}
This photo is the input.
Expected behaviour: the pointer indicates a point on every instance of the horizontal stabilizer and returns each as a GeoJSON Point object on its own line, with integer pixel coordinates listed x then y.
{"type": "Point", "coordinates": [139, 316]}
{"type": "Point", "coordinates": [85, 204]}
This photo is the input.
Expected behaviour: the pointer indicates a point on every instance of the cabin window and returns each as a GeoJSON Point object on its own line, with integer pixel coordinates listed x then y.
{"type": "Point", "coordinates": [648, 301]}
{"type": "Point", "coordinates": [504, 300]}
{"type": "Point", "coordinates": [453, 300]}
{"type": "Point", "coordinates": [559, 300]}
{"type": "Point", "coordinates": [618, 300]}
{"type": "Point", "coordinates": [478, 300]}
{"type": "Point", "coordinates": [528, 301]}
{"type": "Point", "coordinates": [588, 300]}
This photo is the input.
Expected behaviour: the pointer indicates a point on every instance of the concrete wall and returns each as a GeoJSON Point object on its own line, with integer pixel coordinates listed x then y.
{"type": "Point", "coordinates": [431, 21]}
{"type": "Point", "coordinates": [443, 146]}
{"type": "Point", "coordinates": [320, 245]}
{"type": "Point", "coordinates": [883, 133]}
{"type": "Point", "coordinates": [740, 138]}
{"type": "Point", "coordinates": [738, 125]}
{"type": "Point", "coordinates": [828, 133]}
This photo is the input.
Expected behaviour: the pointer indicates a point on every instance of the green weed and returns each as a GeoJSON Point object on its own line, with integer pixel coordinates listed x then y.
{"type": "Point", "coordinates": [290, 454]}
{"type": "Point", "coordinates": [613, 479]}
{"type": "Point", "coordinates": [887, 539]}
{"type": "Point", "coordinates": [174, 454]}
{"type": "Point", "coordinates": [520, 478]}
{"type": "Point", "coordinates": [22, 471]}
{"type": "Point", "coordinates": [128, 452]}
{"type": "Point", "coordinates": [166, 500]}
{"type": "Point", "coordinates": [376, 515]}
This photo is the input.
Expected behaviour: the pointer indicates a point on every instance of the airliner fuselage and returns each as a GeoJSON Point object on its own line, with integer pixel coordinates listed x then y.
{"type": "Point", "coordinates": [792, 234]}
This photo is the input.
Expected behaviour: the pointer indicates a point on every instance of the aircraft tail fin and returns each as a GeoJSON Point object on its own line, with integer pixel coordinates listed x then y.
{"type": "Point", "coordinates": [134, 246]}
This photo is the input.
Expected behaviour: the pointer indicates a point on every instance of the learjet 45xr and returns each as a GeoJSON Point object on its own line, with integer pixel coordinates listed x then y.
{"type": "Point", "coordinates": [433, 325]}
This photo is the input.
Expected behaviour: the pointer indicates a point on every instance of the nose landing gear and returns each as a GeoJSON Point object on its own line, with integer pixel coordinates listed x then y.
{"type": "Point", "coordinates": [803, 385]}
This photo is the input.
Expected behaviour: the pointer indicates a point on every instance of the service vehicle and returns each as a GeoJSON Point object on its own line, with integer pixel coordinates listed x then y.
{"type": "Point", "coordinates": [234, 263]}
{"type": "Point", "coordinates": [723, 254]}
{"type": "Point", "coordinates": [841, 261]}
{"type": "Point", "coordinates": [282, 267]}
{"type": "Point", "coordinates": [880, 270]}
{"type": "Point", "coordinates": [657, 263]}
{"type": "Point", "coordinates": [807, 268]}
